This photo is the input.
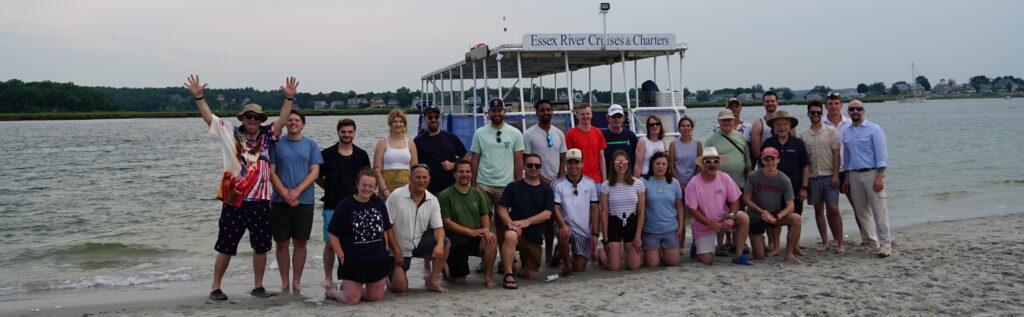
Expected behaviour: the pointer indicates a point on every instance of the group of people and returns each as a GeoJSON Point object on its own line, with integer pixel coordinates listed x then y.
{"type": "Point", "coordinates": [514, 192]}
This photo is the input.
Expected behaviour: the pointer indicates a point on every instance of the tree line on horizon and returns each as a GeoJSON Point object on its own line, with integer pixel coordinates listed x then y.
{"type": "Point", "coordinates": [17, 96]}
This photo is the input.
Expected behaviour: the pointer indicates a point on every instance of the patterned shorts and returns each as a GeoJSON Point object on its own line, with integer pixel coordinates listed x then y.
{"type": "Point", "coordinates": [253, 216]}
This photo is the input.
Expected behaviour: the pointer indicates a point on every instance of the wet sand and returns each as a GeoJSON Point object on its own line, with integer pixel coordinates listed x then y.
{"type": "Point", "coordinates": [959, 267]}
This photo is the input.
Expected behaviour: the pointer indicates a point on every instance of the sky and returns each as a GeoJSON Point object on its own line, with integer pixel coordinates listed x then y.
{"type": "Point", "coordinates": [383, 45]}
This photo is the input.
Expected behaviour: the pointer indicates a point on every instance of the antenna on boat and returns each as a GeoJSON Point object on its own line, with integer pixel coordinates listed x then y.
{"type": "Point", "coordinates": [605, 6]}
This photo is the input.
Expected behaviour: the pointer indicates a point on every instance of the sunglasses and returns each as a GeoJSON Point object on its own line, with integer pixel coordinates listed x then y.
{"type": "Point", "coordinates": [852, 109]}
{"type": "Point", "coordinates": [575, 192]}
{"type": "Point", "coordinates": [621, 162]}
{"type": "Point", "coordinates": [814, 113]}
{"type": "Point", "coordinates": [654, 124]}
{"type": "Point", "coordinates": [533, 165]}
{"type": "Point", "coordinates": [550, 144]}
{"type": "Point", "coordinates": [499, 136]}
{"type": "Point", "coordinates": [710, 161]}
{"type": "Point", "coordinates": [252, 116]}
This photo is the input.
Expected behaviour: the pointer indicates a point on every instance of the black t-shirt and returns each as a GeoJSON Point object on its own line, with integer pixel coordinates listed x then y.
{"type": "Point", "coordinates": [339, 173]}
{"type": "Point", "coordinates": [432, 150]}
{"type": "Point", "coordinates": [792, 158]}
{"type": "Point", "coordinates": [360, 228]}
{"type": "Point", "coordinates": [525, 201]}
{"type": "Point", "coordinates": [625, 141]}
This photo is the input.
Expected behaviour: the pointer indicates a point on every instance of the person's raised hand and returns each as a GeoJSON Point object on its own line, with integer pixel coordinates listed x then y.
{"type": "Point", "coordinates": [291, 86]}
{"type": "Point", "coordinates": [195, 86]}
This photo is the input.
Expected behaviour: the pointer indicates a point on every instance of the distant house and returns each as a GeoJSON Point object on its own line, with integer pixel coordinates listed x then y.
{"type": "Point", "coordinates": [691, 98]}
{"type": "Point", "coordinates": [319, 105]}
{"type": "Point", "coordinates": [719, 97]}
{"type": "Point", "coordinates": [812, 96]}
{"type": "Point", "coordinates": [337, 104]}
{"type": "Point", "coordinates": [356, 102]}
{"type": "Point", "coordinates": [745, 97]}
{"type": "Point", "coordinates": [377, 102]}
{"type": "Point", "coordinates": [941, 88]}
{"type": "Point", "coordinates": [393, 103]}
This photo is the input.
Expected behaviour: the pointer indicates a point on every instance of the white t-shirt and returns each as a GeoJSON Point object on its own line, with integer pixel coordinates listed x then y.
{"type": "Point", "coordinates": [575, 206]}
{"type": "Point", "coordinates": [649, 148]}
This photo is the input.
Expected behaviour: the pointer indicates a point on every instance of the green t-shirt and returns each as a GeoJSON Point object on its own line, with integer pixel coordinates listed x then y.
{"type": "Point", "coordinates": [736, 155]}
{"type": "Point", "coordinates": [464, 209]}
{"type": "Point", "coordinates": [497, 162]}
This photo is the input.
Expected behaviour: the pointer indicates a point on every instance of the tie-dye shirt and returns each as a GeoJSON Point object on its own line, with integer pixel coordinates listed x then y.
{"type": "Point", "coordinates": [246, 160]}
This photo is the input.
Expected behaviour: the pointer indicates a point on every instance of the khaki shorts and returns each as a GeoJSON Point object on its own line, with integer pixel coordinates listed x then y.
{"type": "Point", "coordinates": [529, 254]}
{"type": "Point", "coordinates": [493, 193]}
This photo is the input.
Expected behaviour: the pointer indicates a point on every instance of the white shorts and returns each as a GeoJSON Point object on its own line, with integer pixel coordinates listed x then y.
{"type": "Point", "coordinates": [706, 244]}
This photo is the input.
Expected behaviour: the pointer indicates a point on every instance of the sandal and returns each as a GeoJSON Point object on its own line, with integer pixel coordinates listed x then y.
{"type": "Point", "coordinates": [509, 284]}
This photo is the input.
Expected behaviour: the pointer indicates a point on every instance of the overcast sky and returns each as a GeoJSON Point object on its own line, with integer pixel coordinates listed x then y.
{"type": "Point", "coordinates": [383, 45]}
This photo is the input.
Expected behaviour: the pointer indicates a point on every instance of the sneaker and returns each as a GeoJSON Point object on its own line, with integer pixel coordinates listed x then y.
{"type": "Point", "coordinates": [217, 294]}
{"type": "Point", "coordinates": [260, 292]}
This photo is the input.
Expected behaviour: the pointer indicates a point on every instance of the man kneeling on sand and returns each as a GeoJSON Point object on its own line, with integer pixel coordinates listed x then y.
{"type": "Point", "coordinates": [524, 207]}
{"type": "Point", "coordinates": [769, 198]}
{"type": "Point", "coordinates": [713, 200]}
{"type": "Point", "coordinates": [413, 209]}
{"type": "Point", "coordinates": [466, 213]}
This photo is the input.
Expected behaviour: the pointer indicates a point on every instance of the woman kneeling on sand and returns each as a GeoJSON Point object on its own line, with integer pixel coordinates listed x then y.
{"type": "Point", "coordinates": [622, 208]}
{"type": "Point", "coordinates": [360, 234]}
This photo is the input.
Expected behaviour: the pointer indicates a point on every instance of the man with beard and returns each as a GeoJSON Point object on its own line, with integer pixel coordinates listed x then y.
{"type": "Point", "coordinates": [466, 214]}
{"type": "Point", "coordinates": [549, 143]}
{"type": "Point", "coordinates": [866, 159]}
{"type": "Point", "coordinates": [339, 172]}
{"type": "Point", "coordinates": [713, 200]}
{"type": "Point", "coordinates": [823, 148]}
{"type": "Point", "coordinates": [762, 130]}
{"type": "Point", "coordinates": [497, 156]}
{"type": "Point", "coordinates": [439, 150]}
{"type": "Point", "coordinates": [524, 206]}
{"type": "Point", "coordinates": [245, 183]}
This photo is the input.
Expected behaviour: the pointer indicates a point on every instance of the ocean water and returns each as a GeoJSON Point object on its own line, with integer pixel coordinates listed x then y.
{"type": "Point", "coordinates": [105, 204]}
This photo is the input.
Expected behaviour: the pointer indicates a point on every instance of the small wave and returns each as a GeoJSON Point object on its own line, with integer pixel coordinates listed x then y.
{"type": "Point", "coordinates": [952, 195]}
{"type": "Point", "coordinates": [97, 255]}
{"type": "Point", "coordinates": [107, 281]}
{"type": "Point", "coordinates": [1007, 182]}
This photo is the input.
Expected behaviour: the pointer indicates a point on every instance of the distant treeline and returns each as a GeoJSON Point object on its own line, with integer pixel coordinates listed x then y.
{"type": "Point", "coordinates": [47, 96]}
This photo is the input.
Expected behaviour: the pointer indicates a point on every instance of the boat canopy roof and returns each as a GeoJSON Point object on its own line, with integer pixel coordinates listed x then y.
{"type": "Point", "coordinates": [539, 61]}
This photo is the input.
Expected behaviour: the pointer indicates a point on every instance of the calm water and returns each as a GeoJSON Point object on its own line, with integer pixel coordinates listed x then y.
{"type": "Point", "coordinates": [117, 203]}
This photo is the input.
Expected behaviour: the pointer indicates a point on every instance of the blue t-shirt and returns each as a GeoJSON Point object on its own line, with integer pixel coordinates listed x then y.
{"type": "Point", "coordinates": [292, 159]}
{"type": "Point", "coordinates": [660, 213]}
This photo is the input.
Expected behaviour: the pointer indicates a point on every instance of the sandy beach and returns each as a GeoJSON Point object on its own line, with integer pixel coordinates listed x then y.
{"type": "Point", "coordinates": [960, 267]}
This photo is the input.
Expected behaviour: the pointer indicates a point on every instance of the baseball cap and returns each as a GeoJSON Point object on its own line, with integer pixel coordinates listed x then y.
{"type": "Point", "coordinates": [725, 114]}
{"type": "Point", "coordinates": [495, 103]}
{"type": "Point", "coordinates": [574, 154]}
{"type": "Point", "coordinates": [615, 109]}
{"type": "Point", "coordinates": [769, 151]}
{"type": "Point", "coordinates": [431, 109]}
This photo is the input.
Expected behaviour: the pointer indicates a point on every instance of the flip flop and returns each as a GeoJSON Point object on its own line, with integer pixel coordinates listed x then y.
{"type": "Point", "coordinates": [509, 284]}
{"type": "Point", "coordinates": [742, 260]}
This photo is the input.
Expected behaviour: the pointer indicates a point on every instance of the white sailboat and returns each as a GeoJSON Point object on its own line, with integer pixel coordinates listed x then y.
{"type": "Point", "coordinates": [915, 95]}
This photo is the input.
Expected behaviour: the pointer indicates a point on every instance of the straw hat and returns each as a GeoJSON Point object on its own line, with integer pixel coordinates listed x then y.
{"type": "Point", "coordinates": [782, 114]}
{"type": "Point", "coordinates": [254, 108]}
{"type": "Point", "coordinates": [710, 152]}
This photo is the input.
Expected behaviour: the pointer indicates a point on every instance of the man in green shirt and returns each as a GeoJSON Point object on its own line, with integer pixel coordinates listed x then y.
{"type": "Point", "coordinates": [730, 143]}
{"type": "Point", "coordinates": [465, 212]}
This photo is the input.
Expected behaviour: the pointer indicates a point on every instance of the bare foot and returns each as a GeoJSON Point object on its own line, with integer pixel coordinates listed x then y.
{"type": "Point", "coordinates": [284, 289]}
{"type": "Point", "coordinates": [333, 294]}
{"type": "Point", "coordinates": [297, 288]}
{"type": "Point", "coordinates": [800, 252]}
{"type": "Point", "coordinates": [822, 248]}
{"type": "Point", "coordinates": [489, 282]}
{"type": "Point", "coordinates": [793, 259]}
{"type": "Point", "coordinates": [434, 286]}
{"type": "Point", "coordinates": [841, 249]}
{"type": "Point", "coordinates": [773, 252]}
{"type": "Point", "coordinates": [327, 284]}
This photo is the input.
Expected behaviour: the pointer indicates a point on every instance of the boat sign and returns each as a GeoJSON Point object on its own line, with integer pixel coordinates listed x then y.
{"type": "Point", "coordinates": [596, 41]}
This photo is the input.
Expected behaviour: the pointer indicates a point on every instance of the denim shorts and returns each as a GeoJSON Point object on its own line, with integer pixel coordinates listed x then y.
{"type": "Point", "coordinates": [655, 241]}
